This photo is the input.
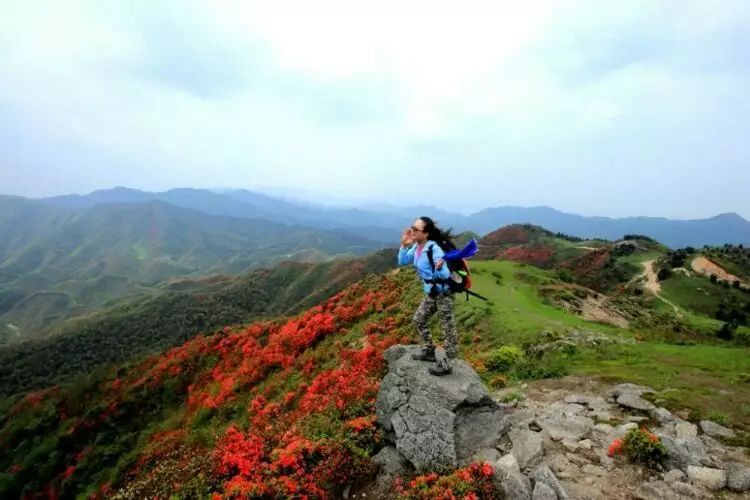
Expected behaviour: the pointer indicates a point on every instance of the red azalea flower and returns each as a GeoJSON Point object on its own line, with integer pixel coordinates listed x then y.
{"type": "Point", "coordinates": [487, 470]}
{"type": "Point", "coordinates": [615, 447]}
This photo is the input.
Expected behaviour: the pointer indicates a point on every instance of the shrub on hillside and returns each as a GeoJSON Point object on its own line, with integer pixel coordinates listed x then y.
{"type": "Point", "coordinates": [664, 273]}
{"type": "Point", "coordinates": [727, 330]}
{"type": "Point", "coordinates": [534, 366]}
{"type": "Point", "coordinates": [733, 310]}
{"type": "Point", "coordinates": [638, 237]}
{"type": "Point", "coordinates": [642, 446]}
{"type": "Point", "coordinates": [624, 249]}
{"type": "Point", "coordinates": [504, 358]}
{"type": "Point", "coordinates": [564, 274]}
{"type": "Point", "coordinates": [742, 336]}
{"type": "Point", "coordinates": [567, 237]}
{"type": "Point", "coordinates": [678, 258]}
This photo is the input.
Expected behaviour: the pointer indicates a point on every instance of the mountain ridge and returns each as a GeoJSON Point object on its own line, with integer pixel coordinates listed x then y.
{"type": "Point", "coordinates": [380, 224]}
{"type": "Point", "coordinates": [68, 249]}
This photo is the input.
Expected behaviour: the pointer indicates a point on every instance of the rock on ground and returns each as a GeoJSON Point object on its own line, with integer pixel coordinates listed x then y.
{"type": "Point", "coordinates": [738, 477]}
{"type": "Point", "coordinates": [715, 430]}
{"type": "Point", "coordinates": [435, 422]}
{"type": "Point", "coordinates": [713, 479]}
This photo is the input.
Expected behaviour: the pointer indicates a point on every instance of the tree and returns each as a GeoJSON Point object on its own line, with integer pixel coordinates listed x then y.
{"type": "Point", "coordinates": [727, 330]}
{"type": "Point", "coordinates": [565, 275]}
{"type": "Point", "coordinates": [664, 273]}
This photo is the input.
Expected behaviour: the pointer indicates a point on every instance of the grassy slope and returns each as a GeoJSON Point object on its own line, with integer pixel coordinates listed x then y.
{"type": "Point", "coordinates": [530, 244]}
{"type": "Point", "coordinates": [708, 380]}
{"type": "Point", "coordinates": [706, 377]}
{"type": "Point", "coordinates": [697, 293]}
{"type": "Point", "coordinates": [517, 313]}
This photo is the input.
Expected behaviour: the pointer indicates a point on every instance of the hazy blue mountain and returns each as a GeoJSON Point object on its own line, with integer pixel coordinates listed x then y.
{"type": "Point", "coordinates": [383, 222]}
{"type": "Point", "coordinates": [378, 226]}
{"type": "Point", "coordinates": [725, 228]}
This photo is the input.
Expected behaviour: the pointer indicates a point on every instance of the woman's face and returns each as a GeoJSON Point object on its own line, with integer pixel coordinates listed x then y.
{"type": "Point", "coordinates": [417, 231]}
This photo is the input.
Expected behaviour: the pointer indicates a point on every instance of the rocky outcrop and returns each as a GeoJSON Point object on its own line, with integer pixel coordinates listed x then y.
{"type": "Point", "coordinates": [436, 423]}
{"type": "Point", "coordinates": [553, 445]}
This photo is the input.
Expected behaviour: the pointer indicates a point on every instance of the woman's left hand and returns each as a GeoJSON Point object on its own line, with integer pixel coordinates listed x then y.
{"type": "Point", "coordinates": [439, 264]}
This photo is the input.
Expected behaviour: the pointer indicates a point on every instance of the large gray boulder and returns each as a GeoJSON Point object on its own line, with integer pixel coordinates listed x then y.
{"type": "Point", "coordinates": [713, 479]}
{"type": "Point", "coordinates": [738, 477]}
{"type": "Point", "coordinates": [435, 422]}
{"type": "Point", "coordinates": [634, 401]}
{"type": "Point", "coordinates": [682, 453]}
{"type": "Point", "coordinates": [628, 388]}
{"type": "Point", "coordinates": [715, 430]}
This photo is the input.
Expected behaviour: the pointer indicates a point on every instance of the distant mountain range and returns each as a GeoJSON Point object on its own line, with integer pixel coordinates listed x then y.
{"type": "Point", "coordinates": [714, 231]}
{"type": "Point", "coordinates": [69, 256]}
{"type": "Point", "coordinates": [66, 256]}
{"type": "Point", "coordinates": [384, 223]}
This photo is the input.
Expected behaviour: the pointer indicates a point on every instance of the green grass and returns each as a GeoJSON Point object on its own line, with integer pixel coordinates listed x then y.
{"type": "Point", "coordinates": [517, 313]}
{"type": "Point", "coordinates": [709, 378]}
{"type": "Point", "coordinates": [697, 294]}
{"type": "Point", "coordinates": [565, 250]}
{"type": "Point", "coordinates": [639, 257]}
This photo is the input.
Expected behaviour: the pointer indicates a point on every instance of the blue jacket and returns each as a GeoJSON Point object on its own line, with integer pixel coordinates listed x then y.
{"type": "Point", "coordinates": [408, 256]}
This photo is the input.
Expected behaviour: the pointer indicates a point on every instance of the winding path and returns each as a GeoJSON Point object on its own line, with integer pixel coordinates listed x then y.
{"type": "Point", "coordinates": [653, 285]}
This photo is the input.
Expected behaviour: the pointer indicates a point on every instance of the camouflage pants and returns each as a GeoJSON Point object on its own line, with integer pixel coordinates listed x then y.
{"type": "Point", "coordinates": [443, 305]}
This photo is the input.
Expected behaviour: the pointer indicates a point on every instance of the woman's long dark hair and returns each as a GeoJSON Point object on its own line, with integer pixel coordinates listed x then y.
{"type": "Point", "coordinates": [444, 238]}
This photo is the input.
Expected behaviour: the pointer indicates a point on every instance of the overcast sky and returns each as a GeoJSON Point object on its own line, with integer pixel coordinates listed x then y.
{"type": "Point", "coordinates": [592, 107]}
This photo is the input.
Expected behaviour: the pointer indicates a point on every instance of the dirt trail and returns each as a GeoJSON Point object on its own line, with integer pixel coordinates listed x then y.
{"type": "Point", "coordinates": [652, 281]}
{"type": "Point", "coordinates": [653, 285]}
{"type": "Point", "coordinates": [707, 268]}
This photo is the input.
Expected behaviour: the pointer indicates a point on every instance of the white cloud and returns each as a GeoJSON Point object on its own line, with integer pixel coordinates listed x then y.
{"type": "Point", "coordinates": [577, 104]}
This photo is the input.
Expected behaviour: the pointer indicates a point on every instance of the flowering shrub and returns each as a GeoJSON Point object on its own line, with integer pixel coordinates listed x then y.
{"type": "Point", "coordinates": [474, 482]}
{"type": "Point", "coordinates": [275, 409]}
{"type": "Point", "coordinates": [641, 445]}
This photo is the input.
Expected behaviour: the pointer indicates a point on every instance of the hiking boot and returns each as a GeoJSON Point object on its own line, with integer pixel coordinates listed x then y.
{"type": "Point", "coordinates": [440, 368]}
{"type": "Point", "coordinates": [426, 354]}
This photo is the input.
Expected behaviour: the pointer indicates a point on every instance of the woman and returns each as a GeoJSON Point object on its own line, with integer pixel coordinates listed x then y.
{"type": "Point", "coordinates": [416, 243]}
